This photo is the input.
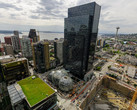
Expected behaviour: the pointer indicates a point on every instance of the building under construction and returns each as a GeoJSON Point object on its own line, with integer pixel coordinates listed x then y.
{"type": "Point", "coordinates": [14, 69]}
{"type": "Point", "coordinates": [41, 58]}
{"type": "Point", "coordinates": [110, 94]}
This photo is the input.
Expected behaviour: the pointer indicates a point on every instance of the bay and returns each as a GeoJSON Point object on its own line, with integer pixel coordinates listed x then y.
{"type": "Point", "coordinates": [43, 35]}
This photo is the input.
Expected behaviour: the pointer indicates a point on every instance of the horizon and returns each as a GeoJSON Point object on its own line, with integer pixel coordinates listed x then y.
{"type": "Point", "coordinates": [46, 31]}
{"type": "Point", "coordinates": [49, 15]}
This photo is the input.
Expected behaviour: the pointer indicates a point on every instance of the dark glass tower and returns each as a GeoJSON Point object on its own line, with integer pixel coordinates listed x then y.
{"type": "Point", "coordinates": [81, 29]}
{"type": "Point", "coordinates": [33, 35]}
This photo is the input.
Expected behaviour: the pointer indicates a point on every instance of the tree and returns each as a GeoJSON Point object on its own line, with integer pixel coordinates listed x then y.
{"type": "Point", "coordinates": [135, 85]}
{"type": "Point", "coordinates": [109, 66]}
{"type": "Point", "coordinates": [98, 68]}
{"type": "Point", "coordinates": [136, 55]}
{"type": "Point", "coordinates": [107, 45]}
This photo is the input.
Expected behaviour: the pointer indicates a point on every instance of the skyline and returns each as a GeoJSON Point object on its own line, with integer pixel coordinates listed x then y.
{"type": "Point", "coordinates": [47, 15]}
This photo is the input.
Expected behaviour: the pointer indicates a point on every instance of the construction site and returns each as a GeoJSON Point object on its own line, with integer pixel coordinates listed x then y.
{"type": "Point", "coordinates": [110, 94]}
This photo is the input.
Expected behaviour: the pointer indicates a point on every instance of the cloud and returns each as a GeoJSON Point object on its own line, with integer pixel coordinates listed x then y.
{"type": "Point", "coordinates": [8, 6]}
{"type": "Point", "coordinates": [49, 9]}
{"type": "Point", "coordinates": [49, 13]}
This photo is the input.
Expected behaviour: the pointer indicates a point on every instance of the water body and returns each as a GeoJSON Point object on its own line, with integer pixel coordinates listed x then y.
{"type": "Point", "coordinates": [43, 35]}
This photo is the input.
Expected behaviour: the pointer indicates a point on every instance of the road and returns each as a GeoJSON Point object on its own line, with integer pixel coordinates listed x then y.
{"type": "Point", "coordinates": [66, 104]}
{"type": "Point", "coordinates": [105, 67]}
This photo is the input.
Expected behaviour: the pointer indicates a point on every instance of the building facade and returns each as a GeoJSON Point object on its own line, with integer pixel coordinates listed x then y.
{"type": "Point", "coordinates": [33, 35]}
{"type": "Point", "coordinates": [8, 40]}
{"type": "Point", "coordinates": [15, 43]}
{"type": "Point", "coordinates": [80, 34]}
{"type": "Point", "coordinates": [8, 49]}
{"type": "Point", "coordinates": [26, 47]}
{"type": "Point", "coordinates": [41, 58]}
{"type": "Point", "coordinates": [14, 70]}
{"type": "Point", "coordinates": [16, 33]}
{"type": "Point", "coordinates": [58, 50]}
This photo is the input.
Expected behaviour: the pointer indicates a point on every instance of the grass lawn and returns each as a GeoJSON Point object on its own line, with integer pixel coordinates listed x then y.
{"type": "Point", "coordinates": [35, 89]}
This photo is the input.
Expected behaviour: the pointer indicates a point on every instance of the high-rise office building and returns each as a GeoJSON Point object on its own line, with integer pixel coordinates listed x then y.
{"type": "Point", "coordinates": [1, 50]}
{"type": "Point", "coordinates": [8, 40]}
{"type": "Point", "coordinates": [8, 49]}
{"type": "Point", "coordinates": [26, 47]}
{"type": "Point", "coordinates": [41, 58]}
{"type": "Point", "coordinates": [15, 43]}
{"type": "Point", "coordinates": [58, 50]}
{"type": "Point", "coordinates": [33, 35]}
{"type": "Point", "coordinates": [80, 34]}
{"type": "Point", "coordinates": [16, 33]}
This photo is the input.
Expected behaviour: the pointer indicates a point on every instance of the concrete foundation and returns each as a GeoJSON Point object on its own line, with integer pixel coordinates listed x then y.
{"type": "Point", "coordinates": [109, 83]}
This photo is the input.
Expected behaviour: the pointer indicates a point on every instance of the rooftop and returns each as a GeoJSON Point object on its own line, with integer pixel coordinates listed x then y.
{"type": "Point", "coordinates": [12, 62]}
{"type": "Point", "coordinates": [35, 90]}
{"type": "Point", "coordinates": [15, 93]}
{"type": "Point", "coordinates": [6, 58]}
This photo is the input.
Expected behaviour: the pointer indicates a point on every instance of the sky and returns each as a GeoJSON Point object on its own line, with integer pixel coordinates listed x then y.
{"type": "Point", "coordinates": [48, 15]}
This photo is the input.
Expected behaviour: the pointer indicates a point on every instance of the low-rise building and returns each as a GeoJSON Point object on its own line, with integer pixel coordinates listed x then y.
{"type": "Point", "coordinates": [131, 71]}
{"type": "Point", "coordinates": [52, 62]}
{"type": "Point", "coordinates": [128, 59]}
{"type": "Point", "coordinates": [13, 69]}
{"type": "Point", "coordinates": [35, 95]}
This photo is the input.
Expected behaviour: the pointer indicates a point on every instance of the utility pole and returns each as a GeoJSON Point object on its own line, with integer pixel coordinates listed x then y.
{"type": "Point", "coordinates": [116, 38]}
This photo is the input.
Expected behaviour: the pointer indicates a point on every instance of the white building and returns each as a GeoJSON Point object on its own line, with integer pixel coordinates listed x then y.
{"type": "Point", "coordinates": [26, 47]}
{"type": "Point", "coordinates": [15, 42]}
{"type": "Point", "coordinates": [58, 46]}
{"type": "Point", "coordinates": [131, 71]}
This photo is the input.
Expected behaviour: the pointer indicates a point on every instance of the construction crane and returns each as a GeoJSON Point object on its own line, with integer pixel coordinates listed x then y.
{"type": "Point", "coordinates": [133, 100]}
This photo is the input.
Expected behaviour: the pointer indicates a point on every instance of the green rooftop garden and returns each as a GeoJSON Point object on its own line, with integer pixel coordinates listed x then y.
{"type": "Point", "coordinates": [35, 90]}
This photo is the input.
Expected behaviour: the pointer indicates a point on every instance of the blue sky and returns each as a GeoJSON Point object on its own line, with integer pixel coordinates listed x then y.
{"type": "Point", "coordinates": [48, 15]}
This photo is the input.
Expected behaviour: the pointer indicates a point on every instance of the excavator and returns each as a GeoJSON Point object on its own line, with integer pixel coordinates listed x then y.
{"type": "Point", "coordinates": [133, 100]}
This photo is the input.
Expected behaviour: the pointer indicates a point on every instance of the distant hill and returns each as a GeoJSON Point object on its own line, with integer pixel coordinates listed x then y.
{"type": "Point", "coordinates": [50, 32]}
{"type": "Point", "coordinates": [6, 32]}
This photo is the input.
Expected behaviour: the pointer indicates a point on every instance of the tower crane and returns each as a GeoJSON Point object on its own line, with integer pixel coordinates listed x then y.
{"type": "Point", "coordinates": [133, 100]}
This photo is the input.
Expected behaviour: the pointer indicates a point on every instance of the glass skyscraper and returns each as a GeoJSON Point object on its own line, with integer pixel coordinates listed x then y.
{"type": "Point", "coordinates": [80, 34]}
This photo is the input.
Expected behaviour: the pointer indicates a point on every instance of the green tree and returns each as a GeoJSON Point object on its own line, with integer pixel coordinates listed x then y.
{"type": "Point", "coordinates": [98, 68]}
{"type": "Point", "coordinates": [136, 55]}
{"type": "Point", "coordinates": [135, 85]}
{"type": "Point", "coordinates": [107, 45]}
{"type": "Point", "coordinates": [109, 66]}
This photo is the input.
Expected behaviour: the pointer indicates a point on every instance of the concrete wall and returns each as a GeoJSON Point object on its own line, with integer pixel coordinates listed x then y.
{"type": "Point", "coordinates": [119, 87]}
{"type": "Point", "coordinates": [109, 83]}
{"type": "Point", "coordinates": [91, 95]}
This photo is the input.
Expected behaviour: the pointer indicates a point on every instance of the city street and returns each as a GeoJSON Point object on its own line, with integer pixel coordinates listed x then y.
{"type": "Point", "coordinates": [105, 67]}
